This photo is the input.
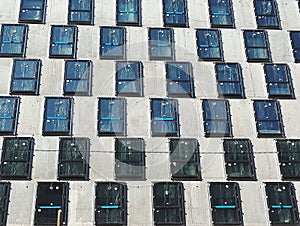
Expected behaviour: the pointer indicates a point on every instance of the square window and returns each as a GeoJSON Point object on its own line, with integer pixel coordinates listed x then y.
{"type": "Point", "coordinates": [230, 80]}
{"type": "Point", "coordinates": [13, 40]}
{"type": "Point", "coordinates": [32, 11]}
{"type": "Point", "coordinates": [16, 159]}
{"type": "Point", "coordinates": [185, 159]}
{"type": "Point", "coordinates": [129, 12]}
{"type": "Point", "coordinates": [111, 203]}
{"type": "Point", "coordinates": [164, 117]}
{"type": "Point", "coordinates": [175, 13]}
{"type": "Point", "coordinates": [130, 159]}
{"type": "Point", "coordinates": [58, 116]}
{"type": "Point", "coordinates": [221, 13]}
{"type": "Point", "coordinates": [168, 203]}
{"type": "Point", "coordinates": [267, 15]}
{"type": "Point", "coordinates": [209, 45]}
{"type": "Point", "coordinates": [63, 42]}
{"type": "Point", "coordinates": [112, 117]}
{"type": "Point", "coordinates": [217, 121]}
{"type": "Point", "coordinates": [180, 80]}
{"type": "Point", "coordinates": [9, 113]}
{"type": "Point", "coordinates": [129, 78]}
{"type": "Point", "coordinates": [4, 201]}
{"type": "Point", "coordinates": [73, 158]}
{"type": "Point", "coordinates": [25, 77]}
{"type": "Point", "coordinates": [81, 12]}
{"type": "Point", "coordinates": [295, 38]}
{"type": "Point", "coordinates": [51, 203]}
{"type": "Point", "coordinates": [161, 44]}
{"type": "Point", "coordinates": [78, 77]}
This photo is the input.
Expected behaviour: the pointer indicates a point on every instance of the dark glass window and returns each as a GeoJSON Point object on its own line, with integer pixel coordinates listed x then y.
{"type": "Point", "coordinates": [58, 116]}
{"type": "Point", "coordinates": [81, 12]}
{"type": "Point", "coordinates": [268, 118]}
{"type": "Point", "coordinates": [73, 158]}
{"type": "Point", "coordinates": [267, 15]}
{"type": "Point", "coordinates": [161, 43]}
{"type": "Point", "coordinates": [13, 40]}
{"type": "Point", "coordinates": [16, 159]}
{"type": "Point", "coordinates": [282, 203]}
{"type": "Point", "coordinates": [185, 159]}
{"type": "Point", "coordinates": [9, 113]}
{"type": "Point", "coordinates": [4, 201]}
{"type": "Point", "coordinates": [221, 13]}
{"type": "Point", "coordinates": [129, 12]}
{"type": "Point", "coordinates": [175, 13]}
{"type": "Point", "coordinates": [25, 77]}
{"type": "Point", "coordinates": [164, 117]}
{"type": "Point", "coordinates": [295, 38]}
{"type": "Point", "coordinates": [225, 203]}
{"type": "Point", "coordinates": [230, 81]}
{"type": "Point", "coordinates": [112, 117]}
{"type": "Point", "coordinates": [32, 11]}
{"type": "Point", "coordinates": [78, 77]}
{"type": "Point", "coordinates": [130, 159]}
{"type": "Point", "coordinates": [168, 203]}
{"type": "Point", "coordinates": [209, 45]}
{"type": "Point", "coordinates": [51, 203]}
{"type": "Point", "coordinates": [111, 204]}
{"type": "Point", "coordinates": [217, 121]}
{"type": "Point", "coordinates": [180, 80]}
{"type": "Point", "coordinates": [129, 78]}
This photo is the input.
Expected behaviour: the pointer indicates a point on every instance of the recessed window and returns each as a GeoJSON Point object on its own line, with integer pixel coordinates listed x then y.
{"type": "Point", "coordinates": [112, 117]}
{"type": "Point", "coordinates": [168, 203]}
{"type": "Point", "coordinates": [225, 203]}
{"type": "Point", "coordinates": [81, 12]}
{"type": "Point", "coordinates": [78, 77]}
{"type": "Point", "coordinates": [209, 45]}
{"type": "Point", "coordinates": [129, 12]}
{"type": "Point", "coordinates": [32, 11]}
{"type": "Point", "coordinates": [164, 117]}
{"type": "Point", "coordinates": [51, 206]}
{"type": "Point", "coordinates": [129, 78]}
{"type": "Point", "coordinates": [180, 80]}
{"type": "Point", "coordinates": [111, 203]}
{"type": "Point", "coordinates": [221, 13]}
{"type": "Point", "coordinates": [73, 158]}
{"type": "Point", "coordinates": [175, 13]}
{"type": "Point", "coordinates": [161, 44]}
{"type": "Point", "coordinates": [282, 203]}
{"type": "Point", "coordinates": [16, 159]}
{"type": "Point", "coordinates": [267, 15]}
{"type": "Point", "coordinates": [185, 159]}
{"type": "Point", "coordinates": [9, 112]}
{"type": "Point", "coordinates": [58, 116]}
{"type": "Point", "coordinates": [295, 38]}
{"type": "Point", "coordinates": [4, 201]}
{"type": "Point", "coordinates": [130, 159]}
{"type": "Point", "coordinates": [63, 41]}
{"type": "Point", "coordinates": [13, 40]}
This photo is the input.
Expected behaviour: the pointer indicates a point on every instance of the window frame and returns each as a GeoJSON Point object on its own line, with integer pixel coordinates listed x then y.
{"type": "Point", "coordinates": [296, 48]}
{"type": "Point", "coordinates": [138, 13]}
{"type": "Point", "coordinates": [230, 15]}
{"type": "Point", "coordinates": [81, 22]}
{"type": "Point", "coordinates": [4, 202]}
{"type": "Point", "coordinates": [42, 10]}
{"type": "Point", "coordinates": [166, 13]}
{"type": "Point", "coordinates": [275, 14]}
{"type": "Point", "coordinates": [15, 116]}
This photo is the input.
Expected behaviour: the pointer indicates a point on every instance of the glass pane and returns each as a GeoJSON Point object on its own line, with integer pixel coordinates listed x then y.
{"type": "Point", "coordinates": [215, 110]}
{"type": "Point", "coordinates": [58, 108]}
{"type": "Point", "coordinates": [166, 195]}
{"type": "Point", "coordinates": [167, 215]}
{"type": "Point", "coordinates": [223, 195]}
{"type": "Point", "coordinates": [217, 127]}
{"type": "Point", "coordinates": [178, 72]}
{"type": "Point", "coordinates": [77, 69]}
{"type": "Point", "coordinates": [174, 12]}
{"type": "Point", "coordinates": [164, 127]}
{"type": "Point", "coordinates": [279, 89]}
{"type": "Point", "coordinates": [227, 72]}
{"type": "Point", "coordinates": [269, 128]}
{"type": "Point", "coordinates": [111, 109]}
{"type": "Point", "coordinates": [12, 39]}
{"type": "Point", "coordinates": [128, 86]}
{"type": "Point", "coordinates": [161, 51]}
{"type": "Point", "coordinates": [25, 69]}
{"type": "Point", "coordinates": [126, 169]}
{"type": "Point", "coordinates": [179, 87]}
{"type": "Point", "coordinates": [289, 150]}
{"type": "Point", "coordinates": [56, 126]}
{"type": "Point", "coordinates": [239, 169]}
{"type": "Point", "coordinates": [163, 109]}
{"type": "Point", "coordinates": [187, 169]}
{"type": "Point", "coordinates": [32, 4]}
{"type": "Point", "coordinates": [127, 71]}
{"type": "Point", "coordinates": [230, 88]}
{"type": "Point", "coordinates": [290, 169]}
{"type": "Point", "coordinates": [76, 85]}
{"type": "Point", "coordinates": [295, 35]}
{"type": "Point", "coordinates": [266, 110]}
{"type": "Point", "coordinates": [258, 53]}
{"type": "Point", "coordinates": [111, 126]}
{"type": "Point", "coordinates": [30, 14]}
{"type": "Point", "coordinates": [276, 73]}
{"type": "Point", "coordinates": [226, 216]}
{"type": "Point", "coordinates": [110, 216]}
{"type": "Point", "coordinates": [111, 36]}
{"type": "Point", "coordinates": [160, 37]}
{"type": "Point", "coordinates": [72, 169]}
{"type": "Point", "coordinates": [109, 194]}
{"type": "Point", "coordinates": [127, 11]}
{"type": "Point", "coordinates": [14, 169]}
{"type": "Point", "coordinates": [62, 35]}
{"type": "Point", "coordinates": [80, 5]}
{"type": "Point", "coordinates": [271, 21]}
{"type": "Point", "coordinates": [255, 39]}
{"type": "Point", "coordinates": [208, 38]}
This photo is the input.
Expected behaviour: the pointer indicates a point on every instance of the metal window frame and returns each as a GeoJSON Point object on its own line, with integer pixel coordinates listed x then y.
{"type": "Point", "coordinates": [165, 13]}
{"type": "Point", "coordinates": [16, 115]}
{"type": "Point", "coordinates": [32, 21]}
{"type": "Point", "coordinates": [231, 15]}
{"type": "Point", "coordinates": [138, 13]}
{"type": "Point", "coordinates": [275, 15]}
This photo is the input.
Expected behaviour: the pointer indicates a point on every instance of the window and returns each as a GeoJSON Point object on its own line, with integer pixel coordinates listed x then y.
{"type": "Point", "coordinates": [279, 82]}
{"type": "Point", "coordinates": [51, 203]}
{"type": "Point", "coordinates": [4, 201]}
{"type": "Point", "coordinates": [185, 159]}
{"type": "Point", "coordinates": [111, 203]}
{"type": "Point", "coordinates": [295, 38]}
{"type": "Point", "coordinates": [257, 46]}
{"type": "Point", "coordinates": [32, 11]}
{"type": "Point", "coordinates": [129, 78]}
{"type": "Point", "coordinates": [230, 81]}
{"type": "Point", "coordinates": [180, 80]}
{"type": "Point", "coordinates": [63, 43]}
{"type": "Point", "coordinates": [16, 160]}
{"type": "Point", "coordinates": [267, 15]}
{"type": "Point", "coordinates": [282, 203]}
{"type": "Point", "coordinates": [221, 13]}
{"type": "Point", "coordinates": [225, 203]}
{"type": "Point", "coordinates": [217, 121]}
{"type": "Point", "coordinates": [9, 112]}
{"type": "Point", "coordinates": [58, 116]}
{"type": "Point", "coordinates": [73, 158]}
{"type": "Point", "coordinates": [268, 118]}
{"type": "Point", "coordinates": [81, 12]}
{"type": "Point", "coordinates": [168, 203]}
{"type": "Point", "coordinates": [164, 117]}
{"type": "Point", "coordinates": [175, 13]}
{"type": "Point", "coordinates": [78, 77]}
{"type": "Point", "coordinates": [161, 44]}
{"type": "Point", "coordinates": [112, 117]}
{"type": "Point", "coordinates": [25, 77]}
{"type": "Point", "coordinates": [130, 158]}
{"type": "Point", "coordinates": [239, 160]}
{"type": "Point", "coordinates": [13, 40]}
{"type": "Point", "coordinates": [129, 12]}
{"type": "Point", "coordinates": [112, 42]}
{"type": "Point", "coordinates": [209, 45]}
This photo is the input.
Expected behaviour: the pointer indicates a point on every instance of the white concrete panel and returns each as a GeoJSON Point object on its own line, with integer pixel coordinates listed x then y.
{"type": "Point", "coordinates": [244, 14]}
{"type": "Point", "coordinates": [198, 14]}
{"type": "Point", "coordinates": [233, 45]}
{"type": "Point", "coordinates": [88, 42]}
{"type": "Point", "coordinates": [137, 44]}
{"type": "Point", "coordinates": [57, 12]}
{"type": "Point", "coordinates": [9, 13]}
{"type": "Point", "coordinates": [105, 13]}
{"type": "Point", "coordinates": [38, 41]}
{"type": "Point", "coordinates": [185, 44]}
{"type": "Point", "coordinates": [290, 110]}
{"type": "Point", "coordinates": [104, 78]}
{"type": "Point", "coordinates": [6, 66]}
{"type": "Point", "coordinates": [289, 14]}
{"type": "Point", "coordinates": [154, 79]}
{"type": "Point", "coordinates": [152, 13]}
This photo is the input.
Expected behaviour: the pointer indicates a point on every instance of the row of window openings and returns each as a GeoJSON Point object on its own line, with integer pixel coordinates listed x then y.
{"type": "Point", "coordinates": [63, 43]}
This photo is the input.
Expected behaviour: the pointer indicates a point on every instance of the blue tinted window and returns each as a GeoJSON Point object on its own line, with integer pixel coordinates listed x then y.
{"type": "Point", "coordinates": [4, 201]}
{"type": "Point", "coordinates": [295, 37]}
{"type": "Point", "coordinates": [81, 12]}
{"type": "Point", "coordinates": [267, 15]}
{"type": "Point", "coordinates": [129, 12]}
{"type": "Point", "coordinates": [32, 11]}
{"type": "Point", "coordinates": [9, 112]}
{"type": "Point", "coordinates": [221, 14]}
{"type": "Point", "coordinates": [175, 13]}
